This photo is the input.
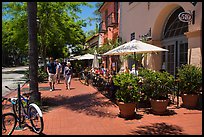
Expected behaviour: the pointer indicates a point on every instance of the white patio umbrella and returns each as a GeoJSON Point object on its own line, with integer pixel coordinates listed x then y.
{"type": "Point", "coordinates": [95, 63]}
{"type": "Point", "coordinates": [134, 46]}
{"type": "Point", "coordinates": [76, 57]}
{"type": "Point", "coordinates": [86, 56]}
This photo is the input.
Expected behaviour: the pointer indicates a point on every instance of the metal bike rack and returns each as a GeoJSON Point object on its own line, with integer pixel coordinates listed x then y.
{"type": "Point", "coordinates": [19, 127]}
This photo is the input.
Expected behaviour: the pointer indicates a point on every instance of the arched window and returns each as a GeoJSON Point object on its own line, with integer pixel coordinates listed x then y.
{"type": "Point", "coordinates": [175, 27]}
{"type": "Point", "coordinates": [176, 42]}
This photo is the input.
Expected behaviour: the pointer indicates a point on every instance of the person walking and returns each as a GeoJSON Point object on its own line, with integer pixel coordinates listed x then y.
{"type": "Point", "coordinates": [68, 75]}
{"type": "Point", "coordinates": [58, 70]}
{"type": "Point", "coordinates": [51, 70]}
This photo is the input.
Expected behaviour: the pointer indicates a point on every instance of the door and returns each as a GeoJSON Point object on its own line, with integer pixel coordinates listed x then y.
{"type": "Point", "coordinates": [177, 54]}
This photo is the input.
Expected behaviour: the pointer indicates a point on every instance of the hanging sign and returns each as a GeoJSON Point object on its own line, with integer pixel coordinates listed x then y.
{"type": "Point", "coordinates": [185, 17]}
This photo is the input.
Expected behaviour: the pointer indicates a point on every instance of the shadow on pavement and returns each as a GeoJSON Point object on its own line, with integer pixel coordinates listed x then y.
{"type": "Point", "coordinates": [17, 71]}
{"type": "Point", "coordinates": [168, 112]}
{"type": "Point", "coordinates": [40, 89]}
{"type": "Point", "coordinates": [192, 108]}
{"type": "Point", "coordinates": [135, 116]}
{"type": "Point", "coordinates": [158, 129]}
{"type": "Point", "coordinates": [89, 104]}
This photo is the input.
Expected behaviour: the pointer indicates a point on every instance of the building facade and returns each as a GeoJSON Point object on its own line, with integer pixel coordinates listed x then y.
{"type": "Point", "coordinates": [92, 42]}
{"type": "Point", "coordinates": [109, 30]}
{"type": "Point", "coordinates": [159, 24]}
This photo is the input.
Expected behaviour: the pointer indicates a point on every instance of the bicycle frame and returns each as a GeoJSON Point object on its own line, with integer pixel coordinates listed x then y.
{"type": "Point", "coordinates": [25, 108]}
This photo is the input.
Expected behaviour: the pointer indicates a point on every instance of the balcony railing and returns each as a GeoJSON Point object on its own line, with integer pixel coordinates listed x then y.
{"type": "Point", "coordinates": [112, 19]}
{"type": "Point", "coordinates": [102, 27]}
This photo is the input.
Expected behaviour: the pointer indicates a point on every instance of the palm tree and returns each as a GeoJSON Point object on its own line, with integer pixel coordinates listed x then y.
{"type": "Point", "coordinates": [33, 51]}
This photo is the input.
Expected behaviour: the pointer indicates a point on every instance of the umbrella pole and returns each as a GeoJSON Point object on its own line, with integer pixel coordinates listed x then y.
{"type": "Point", "coordinates": [135, 62]}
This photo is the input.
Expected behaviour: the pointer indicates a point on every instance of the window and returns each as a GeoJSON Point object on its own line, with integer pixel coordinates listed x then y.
{"type": "Point", "coordinates": [183, 54]}
{"type": "Point", "coordinates": [116, 11]}
{"type": "Point", "coordinates": [106, 18]}
{"type": "Point", "coordinates": [132, 36]}
{"type": "Point", "coordinates": [174, 26]}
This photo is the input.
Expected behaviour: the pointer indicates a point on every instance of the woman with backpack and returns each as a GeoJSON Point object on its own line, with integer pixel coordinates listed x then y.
{"type": "Point", "coordinates": [68, 75]}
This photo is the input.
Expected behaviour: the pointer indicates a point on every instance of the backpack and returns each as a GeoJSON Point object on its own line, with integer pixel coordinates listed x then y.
{"type": "Point", "coordinates": [68, 71]}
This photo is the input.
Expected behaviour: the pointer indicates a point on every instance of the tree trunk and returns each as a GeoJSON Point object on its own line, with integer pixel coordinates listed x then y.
{"type": "Point", "coordinates": [33, 52]}
{"type": "Point", "coordinates": [44, 58]}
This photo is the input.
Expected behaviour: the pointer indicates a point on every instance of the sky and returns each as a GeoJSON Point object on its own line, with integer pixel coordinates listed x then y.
{"type": "Point", "coordinates": [88, 12]}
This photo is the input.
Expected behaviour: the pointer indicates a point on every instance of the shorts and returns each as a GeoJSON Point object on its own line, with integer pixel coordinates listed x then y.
{"type": "Point", "coordinates": [51, 77]}
{"type": "Point", "coordinates": [68, 79]}
{"type": "Point", "coordinates": [58, 76]}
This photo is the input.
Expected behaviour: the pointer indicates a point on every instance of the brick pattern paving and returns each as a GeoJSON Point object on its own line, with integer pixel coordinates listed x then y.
{"type": "Point", "coordinates": [85, 111]}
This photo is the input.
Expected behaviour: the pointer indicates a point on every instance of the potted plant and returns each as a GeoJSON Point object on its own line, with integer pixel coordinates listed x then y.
{"type": "Point", "coordinates": [127, 94]}
{"type": "Point", "coordinates": [157, 86]}
{"type": "Point", "coordinates": [190, 84]}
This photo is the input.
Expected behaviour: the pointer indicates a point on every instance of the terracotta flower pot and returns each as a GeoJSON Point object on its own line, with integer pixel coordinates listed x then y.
{"type": "Point", "coordinates": [127, 110]}
{"type": "Point", "coordinates": [159, 106]}
{"type": "Point", "coordinates": [189, 100]}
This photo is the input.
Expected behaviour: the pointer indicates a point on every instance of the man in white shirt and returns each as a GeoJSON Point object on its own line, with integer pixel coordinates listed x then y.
{"type": "Point", "coordinates": [135, 72]}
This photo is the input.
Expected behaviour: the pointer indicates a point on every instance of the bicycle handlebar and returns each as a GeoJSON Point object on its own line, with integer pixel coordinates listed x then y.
{"type": "Point", "coordinates": [4, 98]}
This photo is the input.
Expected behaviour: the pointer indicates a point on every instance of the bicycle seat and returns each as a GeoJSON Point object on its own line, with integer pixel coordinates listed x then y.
{"type": "Point", "coordinates": [27, 94]}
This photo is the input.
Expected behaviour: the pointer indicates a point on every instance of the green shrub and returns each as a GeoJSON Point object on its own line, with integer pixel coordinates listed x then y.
{"type": "Point", "coordinates": [42, 75]}
{"type": "Point", "coordinates": [156, 85]}
{"type": "Point", "coordinates": [127, 87]}
{"type": "Point", "coordinates": [190, 79]}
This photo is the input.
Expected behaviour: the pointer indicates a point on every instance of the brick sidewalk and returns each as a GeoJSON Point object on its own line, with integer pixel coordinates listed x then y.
{"type": "Point", "coordinates": [85, 111]}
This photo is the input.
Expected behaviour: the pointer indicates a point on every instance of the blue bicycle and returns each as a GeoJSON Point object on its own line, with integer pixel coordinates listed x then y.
{"type": "Point", "coordinates": [9, 120]}
{"type": "Point", "coordinates": [28, 111]}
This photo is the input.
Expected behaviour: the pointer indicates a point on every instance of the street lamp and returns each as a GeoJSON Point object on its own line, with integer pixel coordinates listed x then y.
{"type": "Point", "coordinates": [146, 37]}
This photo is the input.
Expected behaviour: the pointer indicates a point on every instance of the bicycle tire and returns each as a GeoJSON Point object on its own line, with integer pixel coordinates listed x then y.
{"type": "Point", "coordinates": [35, 116]}
{"type": "Point", "coordinates": [15, 111]}
{"type": "Point", "coordinates": [12, 117]}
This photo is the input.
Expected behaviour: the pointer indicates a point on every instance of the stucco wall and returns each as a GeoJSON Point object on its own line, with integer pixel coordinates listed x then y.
{"type": "Point", "coordinates": [139, 17]}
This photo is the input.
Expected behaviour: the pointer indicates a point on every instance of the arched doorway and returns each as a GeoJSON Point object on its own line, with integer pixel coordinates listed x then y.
{"type": "Point", "coordinates": [175, 41]}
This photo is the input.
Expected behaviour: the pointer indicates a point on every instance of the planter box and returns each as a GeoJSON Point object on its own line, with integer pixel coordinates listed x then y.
{"type": "Point", "coordinates": [127, 110]}
{"type": "Point", "coordinates": [159, 106]}
{"type": "Point", "coordinates": [189, 100]}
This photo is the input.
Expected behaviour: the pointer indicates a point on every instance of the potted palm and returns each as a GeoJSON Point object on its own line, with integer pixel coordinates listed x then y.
{"type": "Point", "coordinates": [190, 84]}
{"type": "Point", "coordinates": [157, 86]}
{"type": "Point", "coordinates": [127, 94]}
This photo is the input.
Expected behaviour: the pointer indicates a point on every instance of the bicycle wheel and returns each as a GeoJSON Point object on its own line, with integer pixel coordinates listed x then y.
{"type": "Point", "coordinates": [35, 116]}
{"type": "Point", "coordinates": [16, 111]}
{"type": "Point", "coordinates": [9, 122]}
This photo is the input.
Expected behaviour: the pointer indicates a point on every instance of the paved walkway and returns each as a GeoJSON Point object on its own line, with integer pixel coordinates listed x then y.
{"type": "Point", "coordinates": [85, 111]}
